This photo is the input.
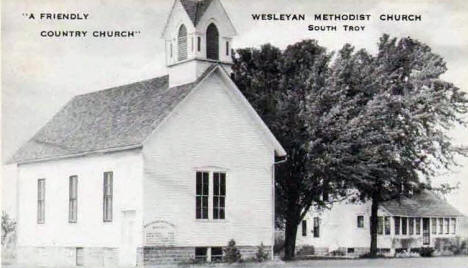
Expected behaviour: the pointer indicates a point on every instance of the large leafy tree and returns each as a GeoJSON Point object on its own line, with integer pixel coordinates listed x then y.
{"type": "Point", "coordinates": [281, 86]}
{"type": "Point", "coordinates": [399, 130]}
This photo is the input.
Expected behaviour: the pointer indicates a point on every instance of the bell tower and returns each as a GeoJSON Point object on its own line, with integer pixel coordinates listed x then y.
{"type": "Point", "coordinates": [197, 34]}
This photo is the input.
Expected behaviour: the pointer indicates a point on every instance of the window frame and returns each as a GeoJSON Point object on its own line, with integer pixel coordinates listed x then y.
{"type": "Point", "coordinates": [73, 199]}
{"type": "Point", "coordinates": [108, 196]}
{"type": "Point", "coordinates": [304, 227]}
{"type": "Point", "coordinates": [387, 225]}
{"type": "Point", "coordinates": [441, 225]}
{"type": "Point", "coordinates": [182, 43]}
{"type": "Point", "coordinates": [360, 221]}
{"type": "Point", "coordinates": [453, 222]}
{"type": "Point", "coordinates": [397, 224]}
{"type": "Point", "coordinates": [316, 227]}
{"type": "Point", "coordinates": [380, 225]}
{"type": "Point", "coordinates": [202, 198]}
{"type": "Point", "coordinates": [404, 225]}
{"type": "Point", "coordinates": [219, 210]}
{"type": "Point", "coordinates": [417, 226]}
{"type": "Point", "coordinates": [447, 225]}
{"type": "Point", "coordinates": [434, 225]}
{"type": "Point", "coordinates": [411, 226]}
{"type": "Point", "coordinates": [41, 188]}
{"type": "Point", "coordinates": [212, 42]}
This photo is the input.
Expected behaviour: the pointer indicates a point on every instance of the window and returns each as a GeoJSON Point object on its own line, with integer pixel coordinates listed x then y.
{"type": "Point", "coordinates": [447, 226]}
{"type": "Point", "coordinates": [73, 199]}
{"type": "Point", "coordinates": [434, 225]}
{"type": "Point", "coordinates": [404, 225]}
{"type": "Point", "coordinates": [79, 256]}
{"type": "Point", "coordinates": [441, 226]}
{"type": "Point", "coordinates": [350, 250]}
{"type": "Point", "coordinates": [219, 195]}
{"type": "Point", "coordinates": [379, 225]}
{"type": "Point", "coordinates": [397, 225]}
{"type": "Point", "coordinates": [227, 48]}
{"type": "Point", "coordinates": [201, 195]}
{"type": "Point", "coordinates": [40, 200]}
{"type": "Point", "coordinates": [418, 225]}
{"type": "Point", "coordinates": [199, 43]}
{"type": "Point", "coordinates": [387, 225]}
{"type": "Point", "coordinates": [191, 48]}
{"type": "Point", "coordinates": [182, 43]}
{"type": "Point", "coordinates": [304, 228]}
{"type": "Point", "coordinates": [216, 254]}
{"type": "Point", "coordinates": [107, 196]}
{"type": "Point", "coordinates": [171, 49]}
{"type": "Point", "coordinates": [200, 254]}
{"type": "Point", "coordinates": [316, 227]}
{"type": "Point", "coordinates": [411, 226]}
{"type": "Point", "coordinates": [454, 225]}
{"type": "Point", "coordinates": [212, 42]}
{"type": "Point", "coordinates": [360, 221]}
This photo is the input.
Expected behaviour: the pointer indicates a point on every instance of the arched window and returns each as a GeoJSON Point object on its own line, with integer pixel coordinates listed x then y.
{"type": "Point", "coordinates": [212, 42]}
{"type": "Point", "coordinates": [182, 43]}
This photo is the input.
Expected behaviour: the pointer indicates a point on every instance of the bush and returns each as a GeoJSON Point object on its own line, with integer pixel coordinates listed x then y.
{"type": "Point", "coordinates": [231, 253]}
{"type": "Point", "coordinates": [261, 254]}
{"type": "Point", "coordinates": [426, 252]}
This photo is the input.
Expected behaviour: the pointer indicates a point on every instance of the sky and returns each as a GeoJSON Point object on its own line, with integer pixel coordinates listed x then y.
{"type": "Point", "coordinates": [39, 75]}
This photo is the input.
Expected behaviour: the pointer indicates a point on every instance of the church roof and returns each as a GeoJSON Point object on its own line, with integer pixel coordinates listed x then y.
{"type": "Point", "coordinates": [424, 204]}
{"type": "Point", "coordinates": [195, 9]}
{"type": "Point", "coordinates": [108, 120]}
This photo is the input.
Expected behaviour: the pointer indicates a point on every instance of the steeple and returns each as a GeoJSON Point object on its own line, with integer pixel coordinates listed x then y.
{"type": "Point", "coordinates": [198, 33]}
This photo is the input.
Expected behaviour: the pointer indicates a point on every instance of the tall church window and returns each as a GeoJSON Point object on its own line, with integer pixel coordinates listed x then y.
{"type": "Point", "coordinates": [107, 192]}
{"type": "Point", "coordinates": [182, 43]}
{"type": "Point", "coordinates": [212, 42]}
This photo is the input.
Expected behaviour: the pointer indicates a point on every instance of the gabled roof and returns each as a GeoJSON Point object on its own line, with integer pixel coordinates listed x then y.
{"type": "Point", "coordinates": [195, 9]}
{"type": "Point", "coordinates": [114, 119]}
{"type": "Point", "coordinates": [424, 204]}
{"type": "Point", "coordinates": [107, 120]}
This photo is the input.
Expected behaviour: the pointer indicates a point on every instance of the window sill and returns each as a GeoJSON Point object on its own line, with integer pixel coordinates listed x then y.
{"type": "Point", "coordinates": [210, 221]}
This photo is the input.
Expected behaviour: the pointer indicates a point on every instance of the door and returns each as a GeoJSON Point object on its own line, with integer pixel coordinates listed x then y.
{"type": "Point", "coordinates": [127, 239]}
{"type": "Point", "coordinates": [426, 232]}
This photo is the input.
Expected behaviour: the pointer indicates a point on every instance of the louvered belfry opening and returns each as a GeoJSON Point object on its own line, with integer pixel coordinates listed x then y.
{"type": "Point", "coordinates": [182, 43]}
{"type": "Point", "coordinates": [212, 42]}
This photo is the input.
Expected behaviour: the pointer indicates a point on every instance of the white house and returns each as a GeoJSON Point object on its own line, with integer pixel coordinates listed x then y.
{"type": "Point", "coordinates": [156, 171]}
{"type": "Point", "coordinates": [403, 224]}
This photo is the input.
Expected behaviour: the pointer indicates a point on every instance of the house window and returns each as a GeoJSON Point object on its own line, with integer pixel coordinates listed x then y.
{"type": "Point", "coordinates": [212, 42]}
{"type": "Point", "coordinates": [447, 226]}
{"type": "Point", "coordinates": [418, 225]}
{"type": "Point", "coordinates": [219, 195]}
{"type": "Point", "coordinates": [182, 43]}
{"type": "Point", "coordinates": [397, 225]}
{"type": "Point", "coordinates": [350, 250]}
{"type": "Point", "coordinates": [441, 226]}
{"type": "Point", "coordinates": [316, 227]}
{"type": "Point", "coordinates": [171, 48]}
{"type": "Point", "coordinates": [379, 225]}
{"type": "Point", "coordinates": [434, 225]}
{"type": "Point", "coordinates": [198, 43]}
{"type": "Point", "coordinates": [201, 254]}
{"type": "Point", "coordinates": [73, 199]}
{"type": "Point", "coordinates": [360, 221]}
{"type": "Point", "coordinates": [411, 226]}
{"type": "Point", "coordinates": [387, 225]}
{"type": "Point", "coordinates": [404, 225]}
{"type": "Point", "coordinates": [227, 48]}
{"type": "Point", "coordinates": [454, 225]}
{"type": "Point", "coordinates": [201, 195]}
{"type": "Point", "coordinates": [216, 254]}
{"type": "Point", "coordinates": [191, 48]}
{"type": "Point", "coordinates": [107, 196]}
{"type": "Point", "coordinates": [79, 257]}
{"type": "Point", "coordinates": [40, 200]}
{"type": "Point", "coordinates": [304, 228]}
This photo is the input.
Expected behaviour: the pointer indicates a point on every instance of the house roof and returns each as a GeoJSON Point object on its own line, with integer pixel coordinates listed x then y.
{"type": "Point", "coordinates": [195, 9]}
{"type": "Point", "coordinates": [113, 119]}
{"type": "Point", "coordinates": [424, 204]}
{"type": "Point", "coordinates": [107, 120]}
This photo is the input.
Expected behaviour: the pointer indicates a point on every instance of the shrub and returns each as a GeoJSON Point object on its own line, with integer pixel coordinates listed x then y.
{"type": "Point", "coordinates": [231, 253]}
{"type": "Point", "coordinates": [261, 254]}
{"type": "Point", "coordinates": [426, 252]}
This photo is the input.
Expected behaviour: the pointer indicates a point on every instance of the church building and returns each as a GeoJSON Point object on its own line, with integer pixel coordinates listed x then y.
{"type": "Point", "coordinates": [158, 171]}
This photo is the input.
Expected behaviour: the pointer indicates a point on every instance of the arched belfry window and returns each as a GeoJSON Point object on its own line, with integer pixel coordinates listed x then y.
{"type": "Point", "coordinates": [212, 42]}
{"type": "Point", "coordinates": [182, 43]}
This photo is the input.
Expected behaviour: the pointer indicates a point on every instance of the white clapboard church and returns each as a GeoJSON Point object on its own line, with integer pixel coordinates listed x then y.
{"type": "Point", "coordinates": [158, 171]}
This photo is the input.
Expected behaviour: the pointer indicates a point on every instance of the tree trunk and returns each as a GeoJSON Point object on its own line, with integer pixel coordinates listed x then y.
{"type": "Point", "coordinates": [290, 239]}
{"type": "Point", "coordinates": [373, 227]}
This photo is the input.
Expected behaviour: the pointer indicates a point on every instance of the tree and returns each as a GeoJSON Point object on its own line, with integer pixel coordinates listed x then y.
{"type": "Point", "coordinates": [398, 130]}
{"type": "Point", "coordinates": [8, 226]}
{"type": "Point", "coordinates": [281, 86]}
